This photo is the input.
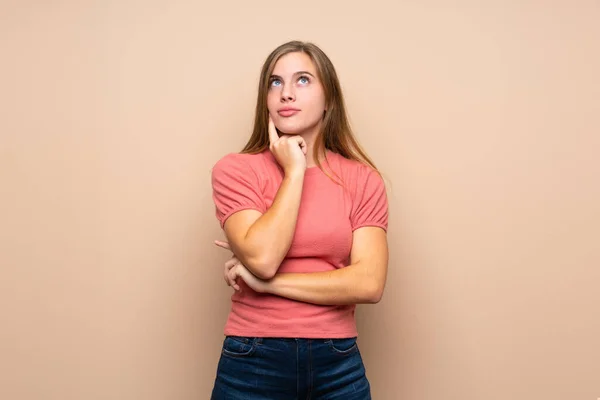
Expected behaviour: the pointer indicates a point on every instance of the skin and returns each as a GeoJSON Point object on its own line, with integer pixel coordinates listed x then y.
{"type": "Point", "coordinates": [362, 281]}
{"type": "Point", "coordinates": [295, 83]}
{"type": "Point", "coordinates": [261, 241]}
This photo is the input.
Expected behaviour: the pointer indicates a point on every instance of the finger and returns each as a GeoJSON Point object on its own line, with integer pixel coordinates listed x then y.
{"type": "Point", "coordinates": [223, 244]}
{"type": "Point", "coordinates": [230, 263]}
{"type": "Point", "coordinates": [232, 275]}
{"type": "Point", "coordinates": [304, 147]}
{"type": "Point", "coordinates": [229, 278]}
{"type": "Point", "coordinates": [301, 142]}
{"type": "Point", "coordinates": [226, 274]}
{"type": "Point", "coordinates": [273, 136]}
{"type": "Point", "coordinates": [233, 283]}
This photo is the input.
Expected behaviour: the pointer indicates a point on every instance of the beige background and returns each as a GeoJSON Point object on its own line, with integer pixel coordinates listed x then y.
{"type": "Point", "coordinates": [483, 116]}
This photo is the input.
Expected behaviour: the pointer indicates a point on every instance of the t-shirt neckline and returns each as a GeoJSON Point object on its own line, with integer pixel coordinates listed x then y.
{"type": "Point", "coordinates": [310, 171]}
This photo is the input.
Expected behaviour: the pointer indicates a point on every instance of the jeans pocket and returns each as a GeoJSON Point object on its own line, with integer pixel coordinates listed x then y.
{"type": "Point", "coordinates": [343, 346]}
{"type": "Point", "coordinates": [238, 346]}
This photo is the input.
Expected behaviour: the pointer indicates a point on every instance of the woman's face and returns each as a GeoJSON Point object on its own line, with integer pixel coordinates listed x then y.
{"type": "Point", "coordinates": [296, 99]}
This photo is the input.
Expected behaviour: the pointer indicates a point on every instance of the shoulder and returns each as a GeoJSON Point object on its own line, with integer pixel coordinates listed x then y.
{"type": "Point", "coordinates": [242, 163]}
{"type": "Point", "coordinates": [355, 172]}
{"type": "Point", "coordinates": [235, 159]}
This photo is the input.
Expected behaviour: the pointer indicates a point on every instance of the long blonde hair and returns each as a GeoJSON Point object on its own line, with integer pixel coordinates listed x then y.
{"type": "Point", "coordinates": [336, 134]}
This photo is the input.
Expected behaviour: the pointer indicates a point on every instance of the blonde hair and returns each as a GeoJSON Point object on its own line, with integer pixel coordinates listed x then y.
{"type": "Point", "coordinates": [336, 134]}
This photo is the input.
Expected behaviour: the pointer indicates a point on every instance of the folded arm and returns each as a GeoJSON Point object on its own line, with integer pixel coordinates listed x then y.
{"type": "Point", "coordinates": [261, 241]}
{"type": "Point", "coordinates": [362, 281]}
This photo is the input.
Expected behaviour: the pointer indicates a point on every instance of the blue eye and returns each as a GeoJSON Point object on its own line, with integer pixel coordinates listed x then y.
{"type": "Point", "coordinates": [303, 78]}
{"type": "Point", "coordinates": [275, 81]}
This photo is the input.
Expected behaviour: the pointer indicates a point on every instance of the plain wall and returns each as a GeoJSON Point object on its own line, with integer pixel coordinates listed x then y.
{"type": "Point", "coordinates": [483, 116]}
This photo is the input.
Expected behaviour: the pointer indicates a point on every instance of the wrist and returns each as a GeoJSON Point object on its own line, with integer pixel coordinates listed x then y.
{"type": "Point", "coordinates": [295, 174]}
{"type": "Point", "coordinates": [268, 286]}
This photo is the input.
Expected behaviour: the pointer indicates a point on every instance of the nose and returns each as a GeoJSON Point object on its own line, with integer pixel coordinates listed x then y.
{"type": "Point", "coordinates": [287, 94]}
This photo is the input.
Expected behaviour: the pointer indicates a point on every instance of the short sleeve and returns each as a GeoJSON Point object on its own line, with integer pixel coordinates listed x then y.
{"type": "Point", "coordinates": [235, 187]}
{"type": "Point", "coordinates": [370, 205]}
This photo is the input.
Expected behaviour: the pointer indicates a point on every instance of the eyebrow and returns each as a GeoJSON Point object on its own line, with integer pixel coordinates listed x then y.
{"type": "Point", "coordinates": [296, 73]}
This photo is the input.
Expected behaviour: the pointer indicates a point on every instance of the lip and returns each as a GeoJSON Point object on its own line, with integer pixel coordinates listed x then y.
{"type": "Point", "coordinates": [287, 111]}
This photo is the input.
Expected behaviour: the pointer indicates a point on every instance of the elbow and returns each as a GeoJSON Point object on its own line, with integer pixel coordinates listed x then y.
{"type": "Point", "coordinates": [374, 298]}
{"type": "Point", "coordinates": [373, 294]}
{"type": "Point", "coordinates": [263, 268]}
{"type": "Point", "coordinates": [265, 275]}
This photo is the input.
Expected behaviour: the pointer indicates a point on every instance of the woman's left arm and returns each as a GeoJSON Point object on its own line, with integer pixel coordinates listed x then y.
{"type": "Point", "coordinates": [362, 281]}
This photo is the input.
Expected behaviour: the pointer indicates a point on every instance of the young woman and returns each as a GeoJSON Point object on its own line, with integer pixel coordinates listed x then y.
{"type": "Point", "coordinates": [305, 214]}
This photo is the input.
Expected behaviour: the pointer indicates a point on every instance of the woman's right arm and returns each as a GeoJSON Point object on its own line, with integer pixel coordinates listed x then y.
{"type": "Point", "coordinates": [261, 241]}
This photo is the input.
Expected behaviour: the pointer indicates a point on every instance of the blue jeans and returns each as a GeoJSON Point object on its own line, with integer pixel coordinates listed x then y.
{"type": "Point", "coordinates": [252, 368]}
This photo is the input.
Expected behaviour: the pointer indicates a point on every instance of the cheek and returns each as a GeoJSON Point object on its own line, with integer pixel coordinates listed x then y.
{"type": "Point", "coordinates": [318, 100]}
{"type": "Point", "coordinates": [317, 105]}
{"type": "Point", "coordinates": [272, 101]}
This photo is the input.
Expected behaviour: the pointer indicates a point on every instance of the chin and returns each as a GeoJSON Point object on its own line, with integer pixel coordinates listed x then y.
{"type": "Point", "coordinates": [291, 129]}
{"type": "Point", "coordinates": [294, 128]}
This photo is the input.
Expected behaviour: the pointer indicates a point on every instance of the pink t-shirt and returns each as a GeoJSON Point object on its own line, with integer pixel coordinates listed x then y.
{"type": "Point", "coordinates": [322, 240]}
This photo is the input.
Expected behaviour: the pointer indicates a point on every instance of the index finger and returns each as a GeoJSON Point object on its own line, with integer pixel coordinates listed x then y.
{"type": "Point", "coordinates": [223, 244]}
{"type": "Point", "coordinates": [273, 136]}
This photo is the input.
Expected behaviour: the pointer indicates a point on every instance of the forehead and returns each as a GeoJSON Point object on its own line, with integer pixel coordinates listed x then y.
{"type": "Point", "coordinates": [291, 63]}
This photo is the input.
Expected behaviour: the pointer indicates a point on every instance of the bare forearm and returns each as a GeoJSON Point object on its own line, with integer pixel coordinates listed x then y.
{"type": "Point", "coordinates": [349, 285]}
{"type": "Point", "coordinates": [269, 239]}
